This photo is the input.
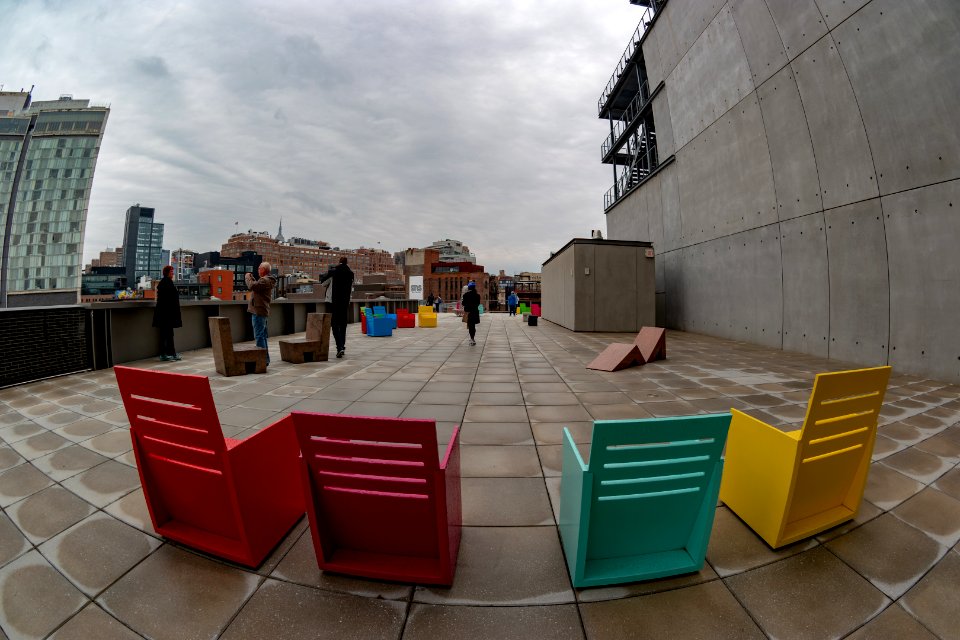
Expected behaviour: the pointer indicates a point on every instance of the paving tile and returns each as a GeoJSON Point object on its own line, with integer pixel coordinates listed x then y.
{"type": "Point", "coordinates": [922, 467]}
{"type": "Point", "coordinates": [867, 512]}
{"type": "Point", "coordinates": [34, 598]}
{"type": "Point", "coordinates": [69, 461]}
{"type": "Point", "coordinates": [12, 542]}
{"type": "Point", "coordinates": [496, 433]}
{"type": "Point", "coordinates": [893, 624]}
{"type": "Point", "coordinates": [949, 483]}
{"type": "Point", "coordinates": [9, 458]}
{"type": "Point", "coordinates": [516, 461]}
{"type": "Point", "coordinates": [496, 414]}
{"type": "Point", "coordinates": [889, 553]}
{"type": "Point", "coordinates": [299, 565]}
{"type": "Point", "coordinates": [270, 403]}
{"type": "Point", "coordinates": [104, 483]}
{"type": "Point", "coordinates": [811, 595]}
{"type": "Point", "coordinates": [935, 600]}
{"type": "Point", "coordinates": [48, 512]}
{"type": "Point", "coordinates": [20, 482]}
{"type": "Point", "coordinates": [84, 429]}
{"type": "Point", "coordinates": [735, 548]}
{"type": "Point", "coordinates": [557, 622]}
{"type": "Point", "coordinates": [484, 504]}
{"type": "Point", "coordinates": [177, 594]}
{"type": "Point", "coordinates": [441, 397]}
{"type": "Point", "coordinates": [96, 551]}
{"type": "Point", "coordinates": [39, 444]}
{"type": "Point", "coordinates": [497, 399]}
{"type": "Point", "coordinates": [887, 488]}
{"type": "Point", "coordinates": [506, 565]}
{"type": "Point", "coordinates": [397, 396]}
{"type": "Point", "coordinates": [702, 611]}
{"type": "Point", "coordinates": [385, 409]}
{"type": "Point", "coordinates": [110, 444]}
{"type": "Point", "coordinates": [933, 512]}
{"type": "Point", "coordinates": [437, 412]}
{"type": "Point", "coordinates": [93, 622]}
{"type": "Point", "coordinates": [319, 405]}
{"type": "Point", "coordinates": [552, 399]}
{"type": "Point", "coordinates": [244, 417]}
{"type": "Point", "coordinates": [552, 432]}
{"type": "Point", "coordinates": [566, 413]}
{"type": "Point", "coordinates": [293, 612]}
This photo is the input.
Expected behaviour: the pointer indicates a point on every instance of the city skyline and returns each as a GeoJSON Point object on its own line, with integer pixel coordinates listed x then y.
{"type": "Point", "coordinates": [356, 124]}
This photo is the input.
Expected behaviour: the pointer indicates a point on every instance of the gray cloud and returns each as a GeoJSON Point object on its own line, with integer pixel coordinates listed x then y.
{"type": "Point", "coordinates": [152, 66]}
{"type": "Point", "coordinates": [358, 123]}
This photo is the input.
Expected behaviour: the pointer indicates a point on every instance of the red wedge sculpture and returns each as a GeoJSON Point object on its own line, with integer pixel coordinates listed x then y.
{"type": "Point", "coordinates": [380, 505]}
{"type": "Point", "coordinates": [234, 499]}
{"type": "Point", "coordinates": [652, 342]}
{"type": "Point", "coordinates": [617, 356]}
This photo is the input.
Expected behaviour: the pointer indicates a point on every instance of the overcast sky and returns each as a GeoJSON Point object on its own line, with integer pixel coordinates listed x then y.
{"type": "Point", "coordinates": [396, 122]}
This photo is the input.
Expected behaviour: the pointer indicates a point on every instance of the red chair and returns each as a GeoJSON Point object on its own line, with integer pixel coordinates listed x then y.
{"type": "Point", "coordinates": [235, 499]}
{"type": "Point", "coordinates": [405, 319]}
{"type": "Point", "coordinates": [363, 323]}
{"type": "Point", "coordinates": [379, 504]}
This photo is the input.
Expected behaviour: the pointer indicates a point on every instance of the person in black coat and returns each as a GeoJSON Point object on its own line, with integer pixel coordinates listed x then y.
{"type": "Point", "coordinates": [166, 315]}
{"type": "Point", "coordinates": [339, 302]}
{"type": "Point", "coordinates": [471, 310]}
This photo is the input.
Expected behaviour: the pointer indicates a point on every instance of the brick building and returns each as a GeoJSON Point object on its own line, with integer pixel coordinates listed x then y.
{"type": "Point", "coordinates": [307, 256]}
{"type": "Point", "coordinates": [447, 279]}
{"type": "Point", "coordinates": [220, 282]}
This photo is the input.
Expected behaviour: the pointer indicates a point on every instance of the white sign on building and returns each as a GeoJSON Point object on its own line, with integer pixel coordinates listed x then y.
{"type": "Point", "coordinates": [415, 287]}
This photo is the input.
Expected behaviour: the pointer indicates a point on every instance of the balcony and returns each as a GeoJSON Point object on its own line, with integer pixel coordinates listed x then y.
{"type": "Point", "coordinates": [80, 557]}
{"type": "Point", "coordinates": [627, 59]}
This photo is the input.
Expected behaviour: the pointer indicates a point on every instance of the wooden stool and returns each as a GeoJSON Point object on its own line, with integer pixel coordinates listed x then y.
{"type": "Point", "coordinates": [230, 359]}
{"type": "Point", "coordinates": [315, 344]}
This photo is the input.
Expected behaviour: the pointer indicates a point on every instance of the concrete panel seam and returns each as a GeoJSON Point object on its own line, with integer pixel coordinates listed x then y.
{"type": "Point", "coordinates": [667, 73]}
{"type": "Point", "coordinates": [873, 162]}
{"type": "Point", "coordinates": [773, 177]}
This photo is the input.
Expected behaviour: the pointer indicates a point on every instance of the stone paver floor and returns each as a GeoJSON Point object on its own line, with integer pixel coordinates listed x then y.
{"type": "Point", "coordinates": [79, 559]}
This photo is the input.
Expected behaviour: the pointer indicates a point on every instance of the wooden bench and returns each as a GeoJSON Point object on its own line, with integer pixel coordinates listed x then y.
{"type": "Point", "coordinates": [231, 359]}
{"type": "Point", "coordinates": [312, 347]}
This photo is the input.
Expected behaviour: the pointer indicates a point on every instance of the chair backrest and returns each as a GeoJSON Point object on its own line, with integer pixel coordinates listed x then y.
{"type": "Point", "coordinates": [650, 482]}
{"type": "Point", "coordinates": [837, 440]}
{"type": "Point", "coordinates": [373, 482]}
{"type": "Point", "coordinates": [535, 309]}
{"type": "Point", "coordinates": [379, 311]}
{"type": "Point", "coordinates": [425, 310]}
{"type": "Point", "coordinates": [180, 450]}
{"type": "Point", "coordinates": [367, 311]}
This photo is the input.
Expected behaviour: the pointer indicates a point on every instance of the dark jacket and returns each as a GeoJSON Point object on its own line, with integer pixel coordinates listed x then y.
{"type": "Point", "coordinates": [260, 292]}
{"type": "Point", "coordinates": [167, 311]}
{"type": "Point", "coordinates": [342, 283]}
{"type": "Point", "coordinates": [471, 305]}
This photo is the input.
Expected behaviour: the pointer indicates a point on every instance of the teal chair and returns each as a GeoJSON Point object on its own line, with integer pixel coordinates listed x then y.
{"type": "Point", "coordinates": [643, 508]}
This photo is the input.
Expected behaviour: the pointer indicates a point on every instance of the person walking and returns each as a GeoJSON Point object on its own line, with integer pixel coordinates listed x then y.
{"type": "Point", "coordinates": [166, 315]}
{"type": "Point", "coordinates": [342, 282]}
{"type": "Point", "coordinates": [512, 302]}
{"type": "Point", "coordinates": [471, 310]}
{"type": "Point", "coordinates": [261, 289]}
{"type": "Point", "coordinates": [437, 304]}
{"type": "Point", "coordinates": [430, 299]}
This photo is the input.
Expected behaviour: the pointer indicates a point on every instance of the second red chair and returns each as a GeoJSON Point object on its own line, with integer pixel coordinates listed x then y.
{"type": "Point", "coordinates": [380, 505]}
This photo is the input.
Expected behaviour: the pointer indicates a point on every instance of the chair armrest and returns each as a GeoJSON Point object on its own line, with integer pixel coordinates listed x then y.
{"type": "Point", "coordinates": [576, 491]}
{"type": "Point", "coordinates": [266, 466]}
{"type": "Point", "coordinates": [759, 467]}
{"type": "Point", "coordinates": [451, 457]}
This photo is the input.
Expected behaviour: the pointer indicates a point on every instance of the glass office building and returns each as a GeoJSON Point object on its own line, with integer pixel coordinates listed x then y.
{"type": "Point", "coordinates": [48, 153]}
{"type": "Point", "coordinates": [142, 244]}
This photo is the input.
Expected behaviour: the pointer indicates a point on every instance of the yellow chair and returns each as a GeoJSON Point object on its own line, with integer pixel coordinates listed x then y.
{"type": "Point", "coordinates": [427, 317]}
{"type": "Point", "coordinates": [790, 486]}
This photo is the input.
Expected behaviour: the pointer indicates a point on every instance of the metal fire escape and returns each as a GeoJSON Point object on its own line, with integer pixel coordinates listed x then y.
{"type": "Point", "coordinates": [627, 103]}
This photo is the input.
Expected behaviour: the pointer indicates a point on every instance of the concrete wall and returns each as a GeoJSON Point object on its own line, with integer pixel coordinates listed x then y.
{"type": "Point", "coordinates": [814, 201]}
{"type": "Point", "coordinates": [597, 285]}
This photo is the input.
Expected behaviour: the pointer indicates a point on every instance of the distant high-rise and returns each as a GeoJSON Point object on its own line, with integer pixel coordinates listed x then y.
{"type": "Point", "coordinates": [142, 244]}
{"type": "Point", "coordinates": [48, 153]}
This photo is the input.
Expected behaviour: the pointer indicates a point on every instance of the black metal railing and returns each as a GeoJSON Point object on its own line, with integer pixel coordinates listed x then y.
{"type": "Point", "coordinates": [629, 117]}
{"type": "Point", "coordinates": [40, 342]}
{"type": "Point", "coordinates": [625, 59]}
{"type": "Point", "coordinates": [644, 161]}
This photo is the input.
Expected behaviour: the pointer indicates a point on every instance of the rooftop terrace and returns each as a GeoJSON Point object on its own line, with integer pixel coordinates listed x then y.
{"type": "Point", "coordinates": [79, 559]}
